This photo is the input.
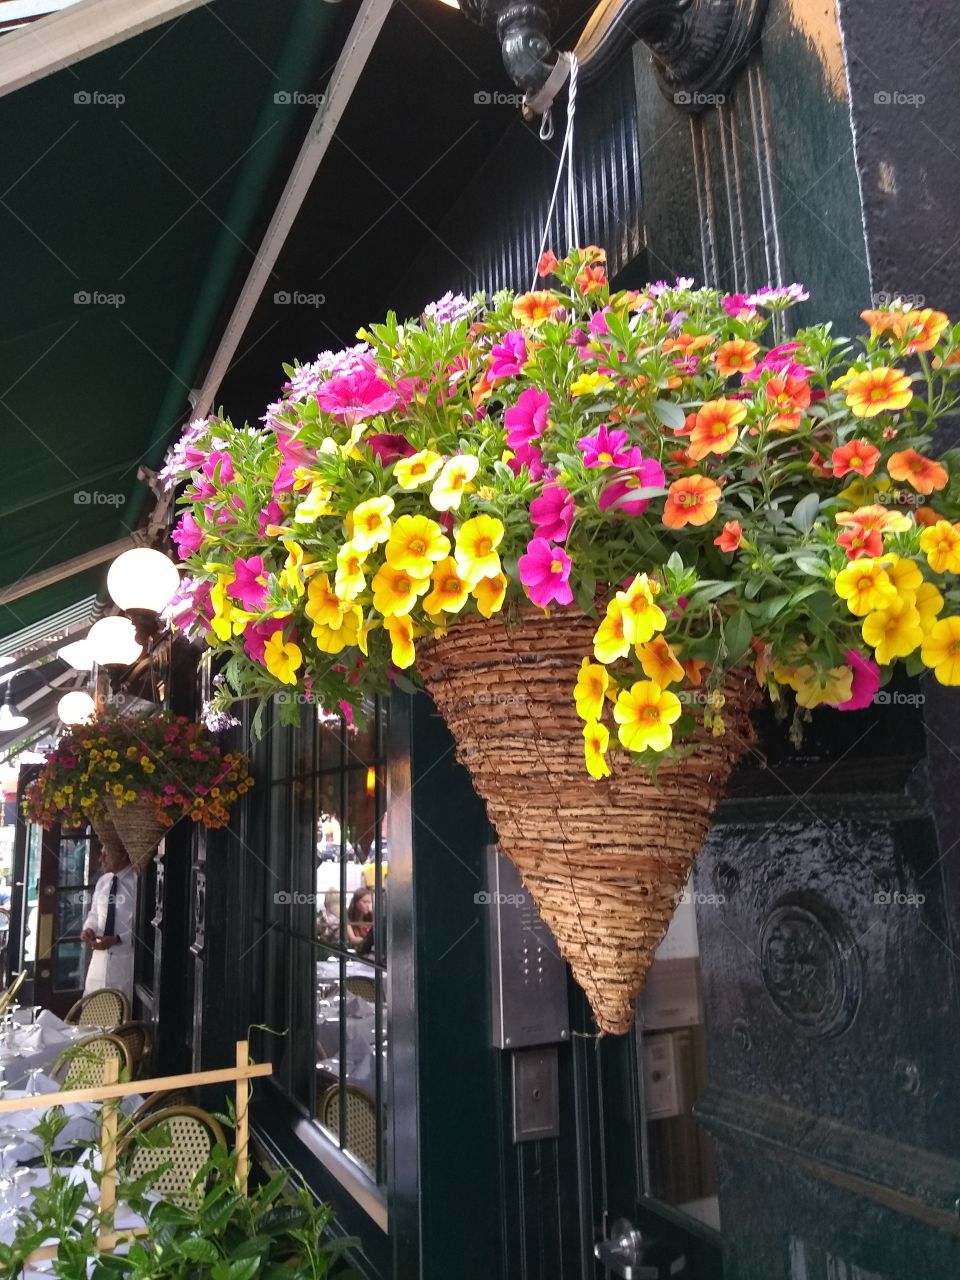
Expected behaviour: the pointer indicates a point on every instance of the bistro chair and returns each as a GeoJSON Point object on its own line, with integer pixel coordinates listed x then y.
{"type": "Point", "coordinates": [163, 1098]}
{"type": "Point", "coordinates": [362, 988]}
{"type": "Point", "coordinates": [177, 1140]}
{"type": "Point", "coordinates": [8, 997]}
{"type": "Point", "coordinates": [104, 1008]}
{"type": "Point", "coordinates": [138, 1038]}
{"type": "Point", "coordinates": [361, 1138]}
{"type": "Point", "coordinates": [81, 1065]}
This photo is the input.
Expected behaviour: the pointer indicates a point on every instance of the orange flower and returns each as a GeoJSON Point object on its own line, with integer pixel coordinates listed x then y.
{"type": "Point", "coordinates": [547, 264]}
{"type": "Point", "coordinates": [591, 278]}
{"type": "Point", "coordinates": [687, 344]}
{"type": "Point", "coordinates": [693, 669]}
{"type": "Point", "coordinates": [926, 516]}
{"type": "Point", "coordinates": [533, 308]}
{"type": "Point", "coordinates": [790, 396]}
{"type": "Point", "coordinates": [923, 328]}
{"type": "Point", "coordinates": [731, 537]}
{"type": "Point", "coordinates": [691, 500]}
{"type": "Point", "coordinates": [659, 662]}
{"type": "Point", "coordinates": [881, 322]}
{"type": "Point", "coordinates": [858, 456]}
{"type": "Point", "coordinates": [715, 430]}
{"type": "Point", "coordinates": [922, 474]}
{"type": "Point", "coordinates": [875, 390]}
{"type": "Point", "coordinates": [736, 356]}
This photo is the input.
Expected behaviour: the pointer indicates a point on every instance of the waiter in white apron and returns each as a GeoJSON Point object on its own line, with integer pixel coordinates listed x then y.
{"type": "Point", "coordinates": [108, 928]}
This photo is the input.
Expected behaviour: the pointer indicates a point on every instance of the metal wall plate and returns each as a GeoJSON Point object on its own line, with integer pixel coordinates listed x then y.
{"type": "Point", "coordinates": [536, 1094]}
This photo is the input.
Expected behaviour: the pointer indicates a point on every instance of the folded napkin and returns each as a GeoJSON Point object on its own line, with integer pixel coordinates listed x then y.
{"type": "Point", "coordinates": [47, 1019]}
{"type": "Point", "coordinates": [29, 1039]}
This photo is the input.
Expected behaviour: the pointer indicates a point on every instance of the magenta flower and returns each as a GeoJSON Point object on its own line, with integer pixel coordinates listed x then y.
{"type": "Point", "coordinates": [388, 447]}
{"type": "Point", "coordinates": [529, 456]}
{"type": "Point", "coordinates": [552, 513]}
{"type": "Point", "coordinates": [526, 420]}
{"type": "Point", "coordinates": [736, 305]}
{"type": "Point", "coordinates": [779, 360]}
{"type": "Point", "coordinates": [598, 324]}
{"type": "Point", "coordinates": [187, 535]}
{"type": "Point", "coordinates": [866, 682]}
{"type": "Point", "coordinates": [249, 584]}
{"type": "Point", "coordinates": [641, 473]}
{"type": "Point", "coordinates": [507, 358]}
{"type": "Point", "coordinates": [272, 513]}
{"type": "Point", "coordinates": [257, 634]}
{"type": "Point", "coordinates": [294, 455]}
{"type": "Point", "coordinates": [605, 449]}
{"type": "Point", "coordinates": [545, 572]}
{"type": "Point", "coordinates": [190, 606]}
{"type": "Point", "coordinates": [356, 396]}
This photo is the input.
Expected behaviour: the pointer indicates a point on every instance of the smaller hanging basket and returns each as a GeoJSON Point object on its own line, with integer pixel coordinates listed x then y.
{"type": "Point", "coordinates": [139, 829]}
{"type": "Point", "coordinates": [106, 832]}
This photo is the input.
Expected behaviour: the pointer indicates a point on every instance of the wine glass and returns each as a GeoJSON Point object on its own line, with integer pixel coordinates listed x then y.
{"type": "Point", "coordinates": [32, 1076]}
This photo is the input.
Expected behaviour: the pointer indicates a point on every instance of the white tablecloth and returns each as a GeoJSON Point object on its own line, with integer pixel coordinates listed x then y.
{"type": "Point", "coordinates": [83, 1122]}
{"type": "Point", "coordinates": [37, 1047]}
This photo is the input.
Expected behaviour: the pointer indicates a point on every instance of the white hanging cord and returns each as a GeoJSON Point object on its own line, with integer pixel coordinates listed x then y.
{"type": "Point", "coordinates": [566, 162]}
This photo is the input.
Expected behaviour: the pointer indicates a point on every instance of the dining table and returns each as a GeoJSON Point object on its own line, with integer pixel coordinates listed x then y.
{"type": "Point", "coordinates": [36, 1046]}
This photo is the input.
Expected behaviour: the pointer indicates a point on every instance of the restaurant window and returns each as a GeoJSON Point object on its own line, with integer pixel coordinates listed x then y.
{"type": "Point", "coordinates": [321, 977]}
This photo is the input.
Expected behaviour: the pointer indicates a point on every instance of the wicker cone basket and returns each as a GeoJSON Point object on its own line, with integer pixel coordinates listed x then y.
{"type": "Point", "coordinates": [139, 828]}
{"type": "Point", "coordinates": [604, 861]}
{"type": "Point", "coordinates": [106, 832]}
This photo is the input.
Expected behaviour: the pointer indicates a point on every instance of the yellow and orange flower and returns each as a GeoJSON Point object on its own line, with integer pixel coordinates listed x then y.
{"type": "Point", "coordinates": [476, 552]}
{"type": "Point", "coordinates": [395, 591]}
{"type": "Point", "coordinates": [596, 740]}
{"type": "Point", "coordinates": [789, 396]}
{"type": "Point", "coordinates": [881, 321]}
{"type": "Point", "coordinates": [928, 602]}
{"type": "Point", "coordinates": [451, 588]}
{"type": "Point", "coordinates": [611, 640]}
{"type": "Point", "coordinates": [411, 472]}
{"type": "Point", "coordinates": [893, 632]}
{"type": "Point", "coordinates": [691, 500]}
{"type": "Point", "coordinates": [415, 545]}
{"type": "Point", "coordinates": [533, 308]}
{"type": "Point", "coordinates": [590, 690]}
{"type": "Point", "coordinates": [922, 474]}
{"type": "Point", "coordinates": [646, 713]}
{"type": "Point", "coordinates": [349, 580]}
{"type": "Point", "coordinates": [866, 587]}
{"type": "Point", "coordinates": [659, 662]}
{"type": "Point", "coordinates": [371, 523]}
{"type": "Point", "coordinates": [736, 356]}
{"type": "Point", "coordinates": [688, 344]}
{"type": "Point", "coordinates": [642, 616]}
{"type": "Point", "coordinates": [877, 390]}
{"type": "Point", "coordinates": [940, 543]}
{"type": "Point", "coordinates": [344, 631]}
{"type": "Point", "coordinates": [401, 631]}
{"type": "Point", "coordinates": [715, 428]}
{"type": "Point", "coordinates": [859, 456]}
{"type": "Point", "coordinates": [941, 650]}
{"type": "Point", "coordinates": [323, 606]}
{"type": "Point", "coordinates": [590, 278]}
{"type": "Point", "coordinates": [924, 329]}
{"type": "Point", "coordinates": [489, 594]}
{"type": "Point", "coordinates": [282, 658]}
{"type": "Point", "coordinates": [453, 481]}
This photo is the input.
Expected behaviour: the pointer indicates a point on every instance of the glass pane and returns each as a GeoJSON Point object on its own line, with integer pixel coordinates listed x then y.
{"type": "Point", "coordinates": [67, 966]}
{"type": "Point", "coordinates": [72, 862]}
{"type": "Point", "coordinates": [673, 1050]}
{"type": "Point", "coordinates": [330, 755]}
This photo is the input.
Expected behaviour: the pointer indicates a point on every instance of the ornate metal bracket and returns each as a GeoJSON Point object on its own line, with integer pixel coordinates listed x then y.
{"type": "Point", "coordinates": [698, 46]}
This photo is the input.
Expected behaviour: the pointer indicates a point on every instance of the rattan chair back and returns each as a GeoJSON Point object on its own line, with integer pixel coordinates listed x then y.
{"type": "Point", "coordinates": [81, 1066]}
{"type": "Point", "coordinates": [8, 997]}
{"type": "Point", "coordinates": [138, 1038]}
{"type": "Point", "coordinates": [360, 1138]}
{"type": "Point", "coordinates": [176, 1140]}
{"type": "Point", "coordinates": [107, 1007]}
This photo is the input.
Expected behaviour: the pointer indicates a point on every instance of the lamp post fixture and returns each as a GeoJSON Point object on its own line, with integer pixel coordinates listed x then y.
{"type": "Point", "coordinates": [10, 716]}
{"type": "Point", "coordinates": [142, 582]}
{"type": "Point", "coordinates": [76, 707]}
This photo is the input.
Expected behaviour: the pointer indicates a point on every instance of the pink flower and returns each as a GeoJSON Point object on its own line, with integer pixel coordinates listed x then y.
{"type": "Point", "coordinates": [272, 513]}
{"type": "Point", "coordinates": [507, 358]}
{"type": "Point", "coordinates": [257, 634]}
{"type": "Point", "coordinates": [356, 396]}
{"type": "Point", "coordinates": [187, 535]}
{"type": "Point", "coordinates": [605, 449]}
{"type": "Point", "coordinates": [598, 324]}
{"type": "Point", "coordinates": [642, 473]}
{"type": "Point", "coordinates": [249, 584]}
{"type": "Point", "coordinates": [388, 447]}
{"type": "Point", "coordinates": [866, 682]}
{"type": "Point", "coordinates": [526, 420]}
{"type": "Point", "coordinates": [545, 572]}
{"type": "Point", "coordinates": [294, 455]}
{"type": "Point", "coordinates": [217, 470]}
{"type": "Point", "coordinates": [779, 360]}
{"type": "Point", "coordinates": [552, 513]}
{"type": "Point", "coordinates": [190, 606]}
{"type": "Point", "coordinates": [736, 305]}
{"type": "Point", "coordinates": [529, 456]}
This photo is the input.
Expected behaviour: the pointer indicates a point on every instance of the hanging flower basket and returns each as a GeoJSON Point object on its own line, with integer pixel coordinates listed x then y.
{"type": "Point", "coordinates": [139, 828]}
{"type": "Point", "coordinates": [106, 832]}
{"type": "Point", "coordinates": [603, 860]}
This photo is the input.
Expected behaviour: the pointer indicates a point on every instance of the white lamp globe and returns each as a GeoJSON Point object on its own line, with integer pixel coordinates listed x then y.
{"type": "Point", "coordinates": [76, 707]}
{"type": "Point", "coordinates": [142, 579]}
{"type": "Point", "coordinates": [77, 654]}
{"type": "Point", "coordinates": [113, 642]}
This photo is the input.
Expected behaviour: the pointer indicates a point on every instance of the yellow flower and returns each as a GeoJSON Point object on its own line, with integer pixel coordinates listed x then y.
{"type": "Point", "coordinates": [323, 605]}
{"type": "Point", "coordinates": [904, 573]}
{"type": "Point", "coordinates": [928, 604]}
{"type": "Point", "coordinates": [940, 543]}
{"type": "Point", "coordinates": [401, 631]}
{"type": "Point", "coordinates": [645, 713]}
{"type": "Point", "coordinates": [290, 576]}
{"type": "Point", "coordinates": [476, 552]}
{"type": "Point", "coordinates": [411, 472]}
{"type": "Point", "coordinates": [282, 658]}
{"type": "Point", "coordinates": [642, 615]}
{"type": "Point", "coordinates": [866, 586]}
{"type": "Point", "coordinates": [395, 592]}
{"type": "Point", "coordinates": [611, 640]}
{"type": "Point", "coordinates": [814, 686]}
{"type": "Point", "coordinates": [596, 740]}
{"type": "Point", "coordinates": [588, 384]}
{"type": "Point", "coordinates": [941, 650]}
{"type": "Point", "coordinates": [340, 634]}
{"type": "Point", "coordinates": [227, 619]}
{"type": "Point", "coordinates": [489, 594]}
{"type": "Point", "coordinates": [371, 523]}
{"type": "Point", "coordinates": [659, 662]}
{"type": "Point", "coordinates": [590, 690]}
{"type": "Point", "coordinates": [349, 580]}
{"type": "Point", "coordinates": [451, 484]}
{"type": "Point", "coordinates": [314, 505]}
{"type": "Point", "coordinates": [450, 589]}
{"type": "Point", "coordinates": [415, 544]}
{"type": "Point", "coordinates": [893, 632]}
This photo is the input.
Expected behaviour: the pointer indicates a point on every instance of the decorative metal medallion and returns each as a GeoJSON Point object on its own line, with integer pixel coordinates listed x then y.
{"type": "Point", "coordinates": [811, 966]}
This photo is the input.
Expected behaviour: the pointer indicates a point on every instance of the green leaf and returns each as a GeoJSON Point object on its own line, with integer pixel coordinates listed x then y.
{"type": "Point", "coordinates": [769, 609]}
{"type": "Point", "coordinates": [670, 414]}
{"type": "Point", "coordinates": [823, 607]}
{"type": "Point", "coordinates": [737, 634]}
{"type": "Point", "coordinates": [708, 591]}
{"type": "Point", "coordinates": [675, 563]}
{"type": "Point", "coordinates": [805, 512]}
{"type": "Point", "coordinates": [809, 564]}
{"type": "Point", "coordinates": [198, 1249]}
{"type": "Point", "coordinates": [243, 1269]}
